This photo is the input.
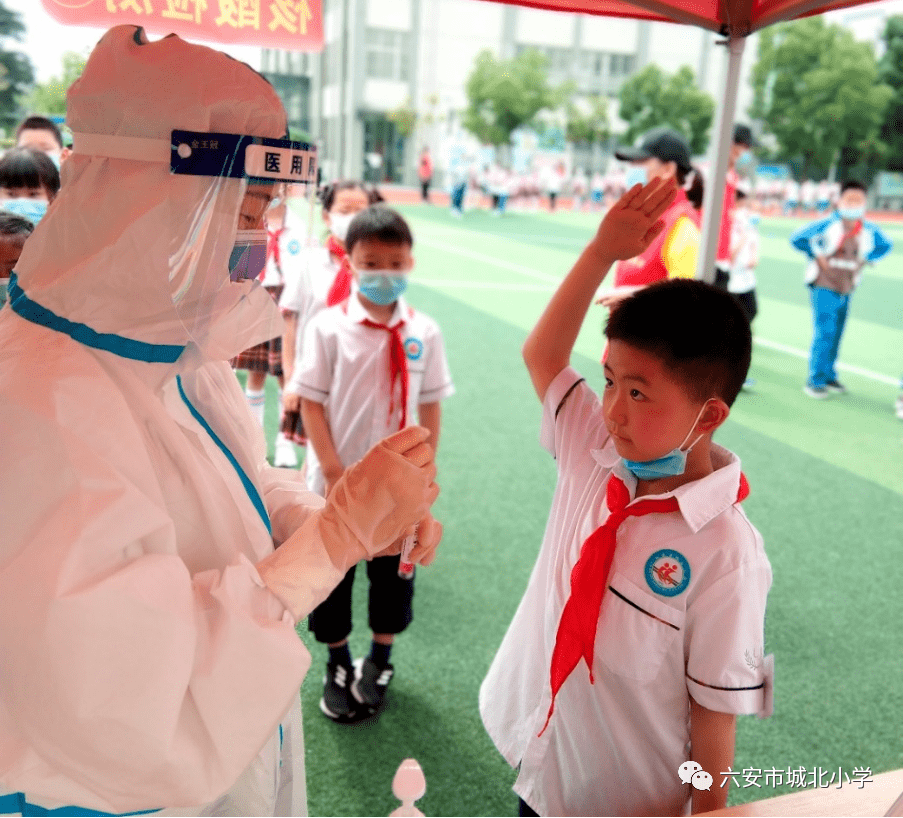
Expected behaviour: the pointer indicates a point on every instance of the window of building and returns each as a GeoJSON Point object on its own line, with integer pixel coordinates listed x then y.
{"type": "Point", "coordinates": [620, 65]}
{"type": "Point", "coordinates": [388, 54]}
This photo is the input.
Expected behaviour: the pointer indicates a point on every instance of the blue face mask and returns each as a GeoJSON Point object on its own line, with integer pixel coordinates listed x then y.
{"type": "Point", "coordinates": [382, 286]}
{"type": "Point", "coordinates": [636, 176]}
{"type": "Point", "coordinates": [249, 255]}
{"type": "Point", "coordinates": [744, 160]}
{"type": "Point", "coordinates": [31, 209]}
{"type": "Point", "coordinates": [754, 219]}
{"type": "Point", "coordinates": [852, 214]}
{"type": "Point", "coordinates": [669, 465]}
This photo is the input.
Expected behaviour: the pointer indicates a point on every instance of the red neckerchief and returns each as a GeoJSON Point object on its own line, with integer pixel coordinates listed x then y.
{"type": "Point", "coordinates": [341, 284]}
{"type": "Point", "coordinates": [854, 231]}
{"type": "Point", "coordinates": [398, 366]}
{"type": "Point", "coordinates": [576, 636]}
{"type": "Point", "coordinates": [273, 248]}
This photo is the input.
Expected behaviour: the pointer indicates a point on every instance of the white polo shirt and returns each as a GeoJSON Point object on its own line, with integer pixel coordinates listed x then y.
{"type": "Point", "coordinates": [345, 366]}
{"type": "Point", "coordinates": [683, 615]}
{"type": "Point", "coordinates": [305, 294]}
{"type": "Point", "coordinates": [292, 242]}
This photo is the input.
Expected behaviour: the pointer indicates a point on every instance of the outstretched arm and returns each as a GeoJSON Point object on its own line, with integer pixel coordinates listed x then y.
{"type": "Point", "coordinates": [626, 231]}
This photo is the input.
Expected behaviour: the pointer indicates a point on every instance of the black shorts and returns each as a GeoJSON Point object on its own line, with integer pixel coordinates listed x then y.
{"type": "Point", "coordinates": [721, 278]}
{"type": "Point", "coordinates": [390, 609]}
{"type": "Point", "coordinates": [748, 302]}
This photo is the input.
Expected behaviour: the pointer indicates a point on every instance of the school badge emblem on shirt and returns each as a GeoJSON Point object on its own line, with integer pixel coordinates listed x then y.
{"type": "Point", "coordinates": [294, 247]}
{"type": "Point", "coordinates": [667, 572]}
{"type": "Point", "coordinates": [413, 348]}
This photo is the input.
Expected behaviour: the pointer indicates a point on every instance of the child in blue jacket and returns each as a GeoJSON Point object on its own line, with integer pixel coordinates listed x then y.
{"type": "Point", "coordinates": [838, 248]}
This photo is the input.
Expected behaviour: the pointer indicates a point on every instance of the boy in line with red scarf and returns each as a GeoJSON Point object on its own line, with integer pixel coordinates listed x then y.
{"type": "Point", "coordinates": [641, 633]}
{"type": "Point", "coordinates": [370, 365]}
{"type": "Point", "coordinates": [838, 248]}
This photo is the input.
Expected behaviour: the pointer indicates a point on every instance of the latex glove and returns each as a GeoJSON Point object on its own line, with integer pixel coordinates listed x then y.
{"type": "Point", "coordinates": [375, 502]}
{"type": "Point", "coordinates": [429, 534]}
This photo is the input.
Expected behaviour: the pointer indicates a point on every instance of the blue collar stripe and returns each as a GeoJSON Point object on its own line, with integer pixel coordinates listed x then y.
{"type": "Point", "coordinates": [123, 347]}
{"type": "Point", "coordinates": [15, 804]}
{"type": "Point", "coordinates": [245, 480]}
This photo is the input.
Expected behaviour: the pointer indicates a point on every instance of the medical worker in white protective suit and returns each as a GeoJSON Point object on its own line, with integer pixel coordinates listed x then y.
{"type": "Point", "coordinates": [148, 654]}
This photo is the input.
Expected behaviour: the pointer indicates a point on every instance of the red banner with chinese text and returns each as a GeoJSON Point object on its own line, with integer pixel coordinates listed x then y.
{"type": "Point", "coordinates": [295, 25]}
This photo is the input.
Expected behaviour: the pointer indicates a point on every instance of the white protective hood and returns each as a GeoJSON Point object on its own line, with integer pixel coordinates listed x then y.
{"type": "Point", "coordinates": [120, 229]}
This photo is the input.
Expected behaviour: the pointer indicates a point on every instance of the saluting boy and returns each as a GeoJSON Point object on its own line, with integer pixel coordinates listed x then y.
{"type": "Point", "coordinates": [370, 364]}
{"type": "Point", "coordinates": [641, 632]}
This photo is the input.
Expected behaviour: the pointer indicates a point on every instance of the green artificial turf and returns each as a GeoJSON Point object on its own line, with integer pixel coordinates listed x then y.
{"type": "Point", "coordinates": [827, 495]}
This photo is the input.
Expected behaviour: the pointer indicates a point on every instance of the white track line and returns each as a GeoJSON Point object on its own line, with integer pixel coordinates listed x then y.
{"type": "Point", "coordinates": [490, 260]}
{"type": "Point", "coordinates": [536, 274]}
{"type": "Point", "coordinates": [851, 368]}
{"type": "Point", "coordinates": [487, 285]}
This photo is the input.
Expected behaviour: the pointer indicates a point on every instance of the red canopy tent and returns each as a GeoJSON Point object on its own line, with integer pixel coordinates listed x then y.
{"type": "Point", "coordinates": [735, 20]}
{"type": "Point", "coordinates": [297, 25]}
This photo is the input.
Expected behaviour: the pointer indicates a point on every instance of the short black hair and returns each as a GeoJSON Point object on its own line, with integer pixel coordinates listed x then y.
{"type": "Point", "coordinates": [40, 123]}
{"type": "Point", "coordinates": [700, 333]}
{"type": "Point", "coordinates": [23, 167]}
{"type": "Point", "coordinates": [381, 223]}
{"type": "Point", "coordinates": [853, 184]}
{"type": "Point", "coordinates": [13, 225]}
{"type": "Point", "coordinates": [739, 195]}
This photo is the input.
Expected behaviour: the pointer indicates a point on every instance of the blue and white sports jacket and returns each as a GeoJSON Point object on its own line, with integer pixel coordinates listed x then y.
{"type": "Point", "coordinates": [822, 238]}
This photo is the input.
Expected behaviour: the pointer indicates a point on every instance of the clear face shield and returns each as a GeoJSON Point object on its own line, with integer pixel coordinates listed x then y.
{"type": "Point", "coordinates": [250, 182]}
{"type": "Point", "coordinates": [209, 233]}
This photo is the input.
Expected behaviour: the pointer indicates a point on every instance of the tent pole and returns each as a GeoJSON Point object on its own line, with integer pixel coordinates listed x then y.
{"type": "Point", "coordinates": [713, 198]}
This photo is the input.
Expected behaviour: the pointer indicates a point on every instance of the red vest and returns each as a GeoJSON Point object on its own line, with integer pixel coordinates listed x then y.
{"type": "Point", "coordinates": [723, 254]}
{"type": "Point", "coordinates": [650, 266]}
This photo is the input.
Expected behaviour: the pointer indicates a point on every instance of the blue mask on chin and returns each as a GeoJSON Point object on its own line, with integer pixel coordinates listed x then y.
{"type": "Point", "coordinates": [669, 465]}
{"type": "Point", "coordinates": [381, 287]}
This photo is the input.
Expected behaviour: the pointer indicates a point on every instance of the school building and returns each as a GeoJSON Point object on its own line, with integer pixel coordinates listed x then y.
{"type": "Point", "coordinates": [386, 61]}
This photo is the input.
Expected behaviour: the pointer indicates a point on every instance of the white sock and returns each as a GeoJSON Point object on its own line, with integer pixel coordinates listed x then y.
{"type": "Point", "coordinates": [256, 401]}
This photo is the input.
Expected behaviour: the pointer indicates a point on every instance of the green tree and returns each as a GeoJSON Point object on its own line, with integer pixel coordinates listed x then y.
{"type": "Point", "coordinates": [49, 98]}
{"type": "Point", "coordinates": [653, 98]}
{"type": "Point", "coordinates": [587, 120]}
{"type": "Point", "coordinates": [817, 91]}
{"type": "Point", "coordinates": [16, 72]}
{"type": "Point", "coordinates": [506, 94]}
{"type": "Point", "coordinates": [890, 72]}
{"type": "Point", "coordinates": [404, 118]}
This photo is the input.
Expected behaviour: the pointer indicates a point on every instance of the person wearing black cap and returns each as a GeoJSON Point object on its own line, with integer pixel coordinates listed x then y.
{"type": "Point", "coordinates": [663, 154]}
{"type": "Point", "coordinates": [739, 157]}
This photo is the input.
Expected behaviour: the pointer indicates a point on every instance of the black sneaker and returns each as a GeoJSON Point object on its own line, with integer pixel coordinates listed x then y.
{"type": "Point", "coordinates": [836, 387]}
{"type": "Point", "coordinates": [337, 703]}
{"type": "Point", "coordinates": [370, 683]}
{"type": "Point", "coordinates": [818, 392]}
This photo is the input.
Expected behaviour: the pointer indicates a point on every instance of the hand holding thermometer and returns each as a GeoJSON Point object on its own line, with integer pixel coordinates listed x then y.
{"type": "Point", "coordinates": [406, 567]}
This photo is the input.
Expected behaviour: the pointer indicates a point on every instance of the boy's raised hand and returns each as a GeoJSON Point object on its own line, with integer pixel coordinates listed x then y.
{"type": "Point", "coordinates": [632, 223]}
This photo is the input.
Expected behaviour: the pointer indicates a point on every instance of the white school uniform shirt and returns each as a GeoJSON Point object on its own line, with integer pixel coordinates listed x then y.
{"type": "Point", "coordinates": [292, 241]}
{"type": "Point", "coordinates": [614, 747]}
{"type": "Point", "coordinates": [345, 367]}
{"type": "Point", "coordinates": [745, 236]}
{"type": "Point", "coordinates": [305, 295]}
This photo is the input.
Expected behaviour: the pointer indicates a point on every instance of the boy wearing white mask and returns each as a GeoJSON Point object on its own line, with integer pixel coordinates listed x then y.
{"type": "Point", "coordinates": [321, 279]}
{"type": "Point", "coordinates": [369, 365]}
{"type": "Point", "coordinates": [640, 636]}
{"type": "Point", "coordinates": [838, 248]}
{"type": "Point", "coordinates": [42, 134]}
